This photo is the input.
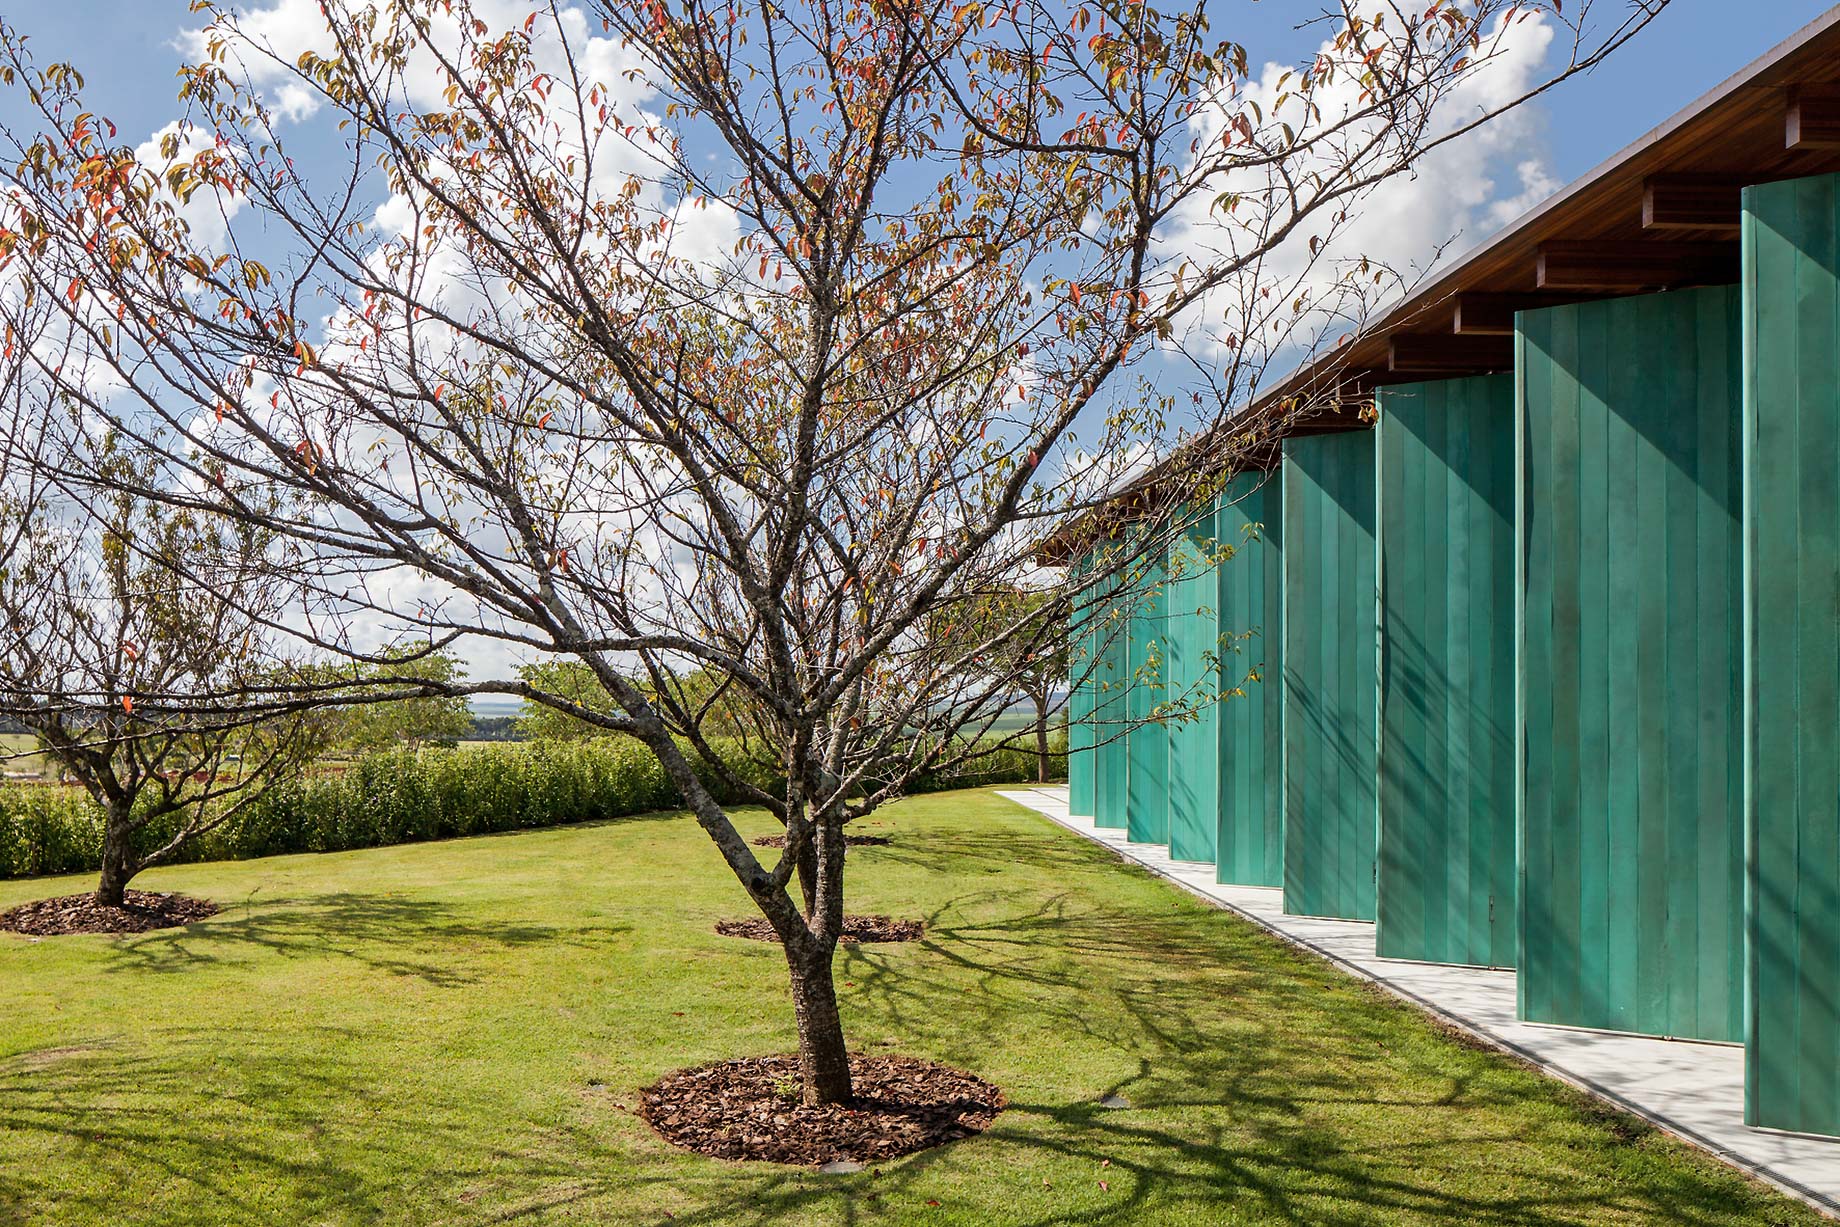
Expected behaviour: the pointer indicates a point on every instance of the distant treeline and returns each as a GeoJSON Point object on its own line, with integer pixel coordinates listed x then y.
{"type": "Point", "coordinates": [405, 796]}
{"type": "Point", "coordinates": [496, 728]}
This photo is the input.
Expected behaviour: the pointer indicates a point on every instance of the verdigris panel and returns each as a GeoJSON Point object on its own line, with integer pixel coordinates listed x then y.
{"type": "Point", "coordinates": [1111, 686]}
{"type": "Point", "coordinates": [1147, 739]}
{"type": "Point", "coordinates": [1446, 542]}
{"type": "Point", "coordinates": [1250, 598]}
{"type": "Point", "coordinates": [1331, 688]}
{"type": "Point", "coordinates": [1792, 652]}
{"type": "Point", "coordinates": [1190, 637]}
{"type": "Point", "coordinates": [1080, 640]}
{"type": "Point", "coordinates": [1630, 656]}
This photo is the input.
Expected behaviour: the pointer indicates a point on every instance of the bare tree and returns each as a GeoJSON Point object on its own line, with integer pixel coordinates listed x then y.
{"type": "Point", "coordinates": [737, 342]}
{"type": "Point", "coordinates": [118, 617]}
{"type": "Point", "coordinates": [1037, 662]}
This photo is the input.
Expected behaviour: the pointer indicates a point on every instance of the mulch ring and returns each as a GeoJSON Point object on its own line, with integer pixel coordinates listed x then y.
{"type": "Point", "coordinates": [141, 910]}
{"type": "Point", "coordinates": [855, 929]}
{"type": "Point", "coordinates": [750, 1109]}
{"type": "Point", "coordinates": [849, 841]}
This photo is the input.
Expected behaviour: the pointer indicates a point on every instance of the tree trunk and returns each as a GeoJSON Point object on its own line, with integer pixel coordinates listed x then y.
{"type": "Point", "coordinates": [808, 874]}
{"type": "Point", "coordinates": [824, 1062]}
{"type": "Point", "coordinates": [117, 860]}
{"type": "Point", "coordinates": [1044, 766]}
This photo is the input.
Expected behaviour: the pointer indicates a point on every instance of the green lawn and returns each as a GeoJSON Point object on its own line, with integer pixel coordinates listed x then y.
{"type": "Point", "coordinates": [19, 752]}
{"type": "Point", "coordinates": [455, 1033]}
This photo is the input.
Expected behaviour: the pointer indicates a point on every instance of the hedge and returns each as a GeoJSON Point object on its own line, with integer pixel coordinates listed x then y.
{"type": "Point", "coordinates": [405, 796]}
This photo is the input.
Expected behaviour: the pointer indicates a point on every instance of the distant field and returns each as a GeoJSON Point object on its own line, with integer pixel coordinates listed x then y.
{"type": "Point", "coordinates": [19, 752]}
{"type": "Point", "coordinates": [1017, 719]}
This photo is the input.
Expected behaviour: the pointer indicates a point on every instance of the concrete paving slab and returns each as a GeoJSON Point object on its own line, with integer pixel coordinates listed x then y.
{"type": "Point", "coordinates": [1692, 1090]}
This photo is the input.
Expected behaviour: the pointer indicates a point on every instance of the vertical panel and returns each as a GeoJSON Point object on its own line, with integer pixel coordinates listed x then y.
{"type": "Point", "coordinates": [1330, 684]}
{"type": "Point", "coordinates": [1147, 738]}
{"type": "Point", "coordinates": [1190, 635]}
{"type": "Point", "coordinates": [1111, 687]}
{"type": "Point", "coordinates": [1250, 595]}
{"type": "Point", "coordinates": [1080, 669]}
{"type": "Point", "coordinates": [1446, 549]}
{"type": "Point", "coordinates": [1631, 857]}
{"type": "Point", "coordinates": [1792, 653]}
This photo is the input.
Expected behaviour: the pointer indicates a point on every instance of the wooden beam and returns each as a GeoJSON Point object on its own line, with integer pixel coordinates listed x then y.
{"type": "Point", "coordinates": [1813, 119]}
{"type": "Point", "coordinates": [1492, 315]}
{"type": "Point", "coordinates": [1327, 424]}
{"type": "Point", "coordinates": [1692, 202]}
{"type": "Point", "coordinates": [1632, 267]}
{"type": "Point", "coordinates": [1449, 354]}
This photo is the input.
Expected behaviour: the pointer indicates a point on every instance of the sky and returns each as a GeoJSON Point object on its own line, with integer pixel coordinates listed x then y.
{"type": "Point", "coordinates": [130, 50]}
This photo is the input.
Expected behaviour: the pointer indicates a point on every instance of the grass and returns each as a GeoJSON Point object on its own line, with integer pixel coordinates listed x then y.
{"type": "Point", "coordinates": [455, 1033]}
{"type": "Point", "coordinates": [20, 752]}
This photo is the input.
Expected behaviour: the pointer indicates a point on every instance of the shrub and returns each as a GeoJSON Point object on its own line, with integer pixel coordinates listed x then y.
{"type": "Point", "coordinates": [405, 796]}
{"type": "Point", "coordinates": [48, 829]}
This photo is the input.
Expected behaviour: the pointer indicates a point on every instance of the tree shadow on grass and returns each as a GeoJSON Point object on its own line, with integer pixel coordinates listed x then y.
{"type": "Point", "coordinates": [404, 937]}
{"type": "Point", "coordinates": [304, 1124]}
{"type": "Point", "coordinates": [326, 1147]}
{"type": "Point", "coordinates": [1316, 1098]}
{"type": "Point", "coordinates": [958, 851]}
{"type": "Point", "coordinates": [1263, 1085]}
{"type": "Point", "coordinates": [300, 1115]}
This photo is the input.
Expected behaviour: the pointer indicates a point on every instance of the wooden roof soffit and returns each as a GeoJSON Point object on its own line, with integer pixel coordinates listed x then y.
{"type": "Point", "coordinates": [1450, 353]}
{"type": "Point", "coordinates": [1631, 268]}
{"type": "Point", "coordinates": [1813, 118]}
{"type": "Point", "coordinates": [1701, 203]}
{"type": "Point", "coordinates": [1480, 314]}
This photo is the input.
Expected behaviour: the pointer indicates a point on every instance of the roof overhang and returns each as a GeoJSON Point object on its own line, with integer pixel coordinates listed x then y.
{"type": "Point", "coordinates": [1663, 214]}
{"type": "Point", "coordinates": [1660, 215]}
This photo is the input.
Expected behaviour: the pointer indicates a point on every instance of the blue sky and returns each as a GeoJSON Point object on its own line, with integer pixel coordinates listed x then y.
{"type": "Point", "coordinates": [127, 50]}
{"type": "Point", "coordinates": [124, 48]}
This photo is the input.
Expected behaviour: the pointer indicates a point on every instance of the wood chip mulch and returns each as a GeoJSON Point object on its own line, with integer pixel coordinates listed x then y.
{"type": "Point", "coordinates": [849, 841]}
{"type": "Point", "coordinates": [141, 910]}
{"type": "Point", "coordinates": [855, 929]}
{"type": "Point", "coordinates": [750, 1109]}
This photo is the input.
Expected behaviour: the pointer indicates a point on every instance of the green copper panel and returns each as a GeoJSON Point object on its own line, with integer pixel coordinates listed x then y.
{"type": "Point", "coordinates": [1792, 652]}
{"type": "Point", "coordinates": [1080, 641]}
{"type": "Point", "coordinates": [1631, 831]}
{"type": "Point", "coordinates": [1147, 741]}
{"type": "Point", "coordinates": [1190, 643]}
{"type": "Point", "coordinates": [1331, 814]}
{"type": "Point", "coordinates": [1250, 596]}
{"type": "Point", "coordinates": [1111, 688]}
{"type": "Point", "coordinates": [1446, 540]}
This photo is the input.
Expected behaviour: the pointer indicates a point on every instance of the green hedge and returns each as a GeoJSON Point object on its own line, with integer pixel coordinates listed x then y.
{"type": "Point", "coordinates": [401, 796]}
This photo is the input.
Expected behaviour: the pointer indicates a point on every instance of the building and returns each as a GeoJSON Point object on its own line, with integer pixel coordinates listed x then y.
{"type": "Point", "coordinates": [1548, 660]}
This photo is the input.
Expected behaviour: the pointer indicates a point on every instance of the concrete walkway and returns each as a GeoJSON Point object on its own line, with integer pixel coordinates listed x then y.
{"type": "Point", "coordinates": [1692, 1090]}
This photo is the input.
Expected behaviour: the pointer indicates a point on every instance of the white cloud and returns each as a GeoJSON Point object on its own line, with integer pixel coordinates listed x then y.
{"type": "Point", "coordinates": [1453, 198]}
{"type": "Point", "coordinates": [209, 211]}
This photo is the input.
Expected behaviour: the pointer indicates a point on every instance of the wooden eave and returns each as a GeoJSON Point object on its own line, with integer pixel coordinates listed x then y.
{"type": "Point", "coordinates": [1660, 215]}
